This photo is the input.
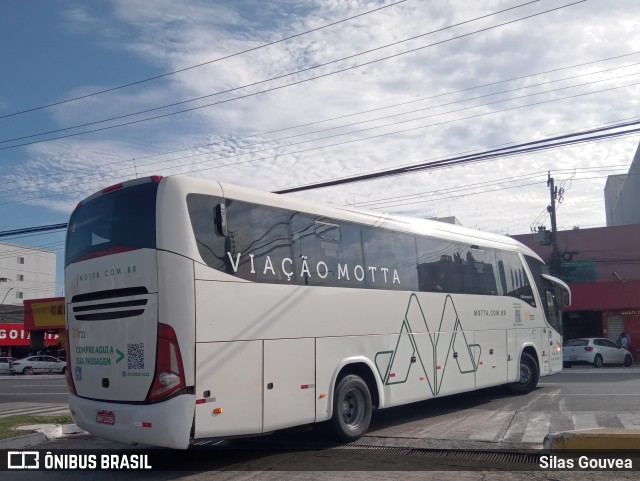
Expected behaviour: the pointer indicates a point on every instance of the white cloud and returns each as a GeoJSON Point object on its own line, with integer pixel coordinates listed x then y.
{"type": "Point", "coordinates": [199, 31]}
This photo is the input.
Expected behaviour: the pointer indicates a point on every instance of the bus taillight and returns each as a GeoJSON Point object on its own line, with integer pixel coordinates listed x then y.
{"type": "Point", "coordinates": [169, 373]}
{"type": "Point", "coordinates": [111, 188]}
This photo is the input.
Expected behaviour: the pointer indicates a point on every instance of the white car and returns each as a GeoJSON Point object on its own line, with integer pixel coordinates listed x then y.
{"type": "Point", "coordinates": [5, 364]}
{"type": "Point", "coordinates": [38, 364]}
{"type": "Point", "coordinates": [594, 350]}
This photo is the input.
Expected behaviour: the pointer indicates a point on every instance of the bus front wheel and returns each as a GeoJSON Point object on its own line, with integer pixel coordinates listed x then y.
{"type": "Point", "coordinates": [529, 375]}
{"type": "Point", "coordinates": [351, 408]}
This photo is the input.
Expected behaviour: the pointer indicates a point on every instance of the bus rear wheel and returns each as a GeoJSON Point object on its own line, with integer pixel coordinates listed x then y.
{"type": "Point", "coordinates": [351, 408]}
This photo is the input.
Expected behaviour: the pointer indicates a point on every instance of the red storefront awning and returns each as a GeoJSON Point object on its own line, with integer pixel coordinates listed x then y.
{"type": "Point", "coordinates": [17, 335]}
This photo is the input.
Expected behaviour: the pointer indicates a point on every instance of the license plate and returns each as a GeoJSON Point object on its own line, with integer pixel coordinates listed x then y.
{"type": "Point", "coordinates": [106, 417]}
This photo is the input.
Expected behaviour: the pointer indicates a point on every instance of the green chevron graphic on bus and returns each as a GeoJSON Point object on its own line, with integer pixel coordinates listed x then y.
{"type": "Point", "coordinates": [425, 347]}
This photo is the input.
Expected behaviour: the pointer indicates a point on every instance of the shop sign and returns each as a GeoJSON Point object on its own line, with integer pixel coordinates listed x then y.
{"type": "Point", "coordinates": [44, 314]}
{"type": "Point", "coordinates": [17, 335]}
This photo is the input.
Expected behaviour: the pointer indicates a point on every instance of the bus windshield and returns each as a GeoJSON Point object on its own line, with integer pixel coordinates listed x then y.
{"type": "Point", "coordinates": [123, 219]}
{"type": "Point", "coordinates": [552, 293]}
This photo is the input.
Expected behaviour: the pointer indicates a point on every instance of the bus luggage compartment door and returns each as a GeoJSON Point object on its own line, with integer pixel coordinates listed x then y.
{"type": "Point", "coordinates": [289, 383]}
{"type": "Point", "coordinates": [228, 388]}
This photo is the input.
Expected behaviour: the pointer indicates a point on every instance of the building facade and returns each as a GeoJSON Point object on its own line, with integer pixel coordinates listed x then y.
{"type": "Point", "coordinates": [622, 195]}
{"type": "Point", "coordinates": [26, 273]}
{"type": "Point", "coordinates": [602, 267]}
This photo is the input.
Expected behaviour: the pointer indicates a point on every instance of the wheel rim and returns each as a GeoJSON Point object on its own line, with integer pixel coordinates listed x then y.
{"type": "Point", "coordinates": [525, 373]}
{"type": "Point", "coordinates": [598, 361]}
{"type": "Point", "coordinates": [352, 408]}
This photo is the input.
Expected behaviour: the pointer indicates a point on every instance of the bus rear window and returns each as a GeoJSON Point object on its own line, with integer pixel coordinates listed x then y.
{"type": "Point", "coordinates": [121, 220]}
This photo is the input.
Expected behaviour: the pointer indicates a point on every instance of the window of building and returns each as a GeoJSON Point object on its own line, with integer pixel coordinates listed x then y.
{"type": "Point", "coordinates": [19, 277]}
{"type": "Point", "coordinates": [19, 295]}
{"type": "Point", "coordinates": [20, 260]}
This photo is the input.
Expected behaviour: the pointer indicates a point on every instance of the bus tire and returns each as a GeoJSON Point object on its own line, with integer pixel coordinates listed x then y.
{"type": "Point", "coordinates": [529, 375]}
{"type": "Point", "coordinates": [351, 408]}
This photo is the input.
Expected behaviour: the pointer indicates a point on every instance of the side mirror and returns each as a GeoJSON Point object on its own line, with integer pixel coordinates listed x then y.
{"type": "Point", "coordinates": [221, 220]}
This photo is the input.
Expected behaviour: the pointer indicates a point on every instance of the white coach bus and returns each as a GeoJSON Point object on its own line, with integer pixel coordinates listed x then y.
{"type": "Point", "coordinates": [197, 309]}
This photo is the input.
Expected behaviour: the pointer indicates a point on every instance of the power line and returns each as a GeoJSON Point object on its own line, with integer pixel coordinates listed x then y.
{"type": "Point", "coordinates": [477, 185]}
{"type": "Point", "coordinates": [133, 122]}
{"type": "Point", "coordinates": [155, 170]}
{"type": "Point", "coordinates": [481, 156]}
{"type": "Point", "coordinates": [13, 250]}
{"type": "Point", "coordinates": [397, 132]}
{"type": "Point", "coordinates": [408, 120]}
{"type": "Point", "coordinates": [401, 198]}
{"type": "Point", "coordinates": [434, 197]}
{"type": "Point", "coordinates": [29, 230]}
{"type": "Point", "coordinates": [611, 127]}
{"type": "Point", "coordinates": [138, 82]}
{"type": "Point", "coordinates": [10, 192]}
{"type": "Point", "coordinates": [128, 161]}
{"type": "Point", "coordinates": [526, 147]}
{"type": "Point", "coordinates": [255, 83]}
{"type": "Point", "coordinates": [523, 177]}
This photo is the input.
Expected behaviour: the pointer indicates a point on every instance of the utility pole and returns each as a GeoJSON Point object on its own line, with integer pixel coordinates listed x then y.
{"type": "Point", "coordinates": [555, 264]}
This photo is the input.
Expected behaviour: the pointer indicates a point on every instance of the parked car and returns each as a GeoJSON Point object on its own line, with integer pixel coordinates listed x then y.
{"type": "Point", "coordinates": [594, 350]}
{"type": "Point", "coordinates": [38, 364]}
{"type": "Point", "coordinates": [5, 365]}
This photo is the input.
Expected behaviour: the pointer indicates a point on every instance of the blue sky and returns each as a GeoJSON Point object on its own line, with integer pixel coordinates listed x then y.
{"type": "Point", "coordinates": [57, 50]}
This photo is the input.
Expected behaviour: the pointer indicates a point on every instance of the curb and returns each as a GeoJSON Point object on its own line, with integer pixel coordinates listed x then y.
{"type": "Point", "coordinates": [602, 439]}
{"type": "Point", "coordinates": [39, 437]}
{"type": "Point", "coordinates": [24, 441]}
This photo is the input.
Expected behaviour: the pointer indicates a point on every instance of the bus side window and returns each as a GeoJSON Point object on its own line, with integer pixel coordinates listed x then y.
{"type": "Point", "coordinates": [513, 278]}
{"type": "Point", "coordinates": [211, 245]}
{"type": "Point", "coordinates": [390, 259]}
{"type": "Point", "coordinates": [479, 272]}
{"type": "Point", "coordinates": [258, 241]}
{"type": "Point", "coordinates": [325, 251]}
{"type": "Point", "coordinates": [440, 267]}
{"type": "Point", "coordinates": [327, 232]}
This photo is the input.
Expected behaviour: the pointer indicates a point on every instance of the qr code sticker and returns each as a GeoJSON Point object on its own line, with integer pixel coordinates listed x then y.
{"type": "Point", "coordinates": [135, 356]}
